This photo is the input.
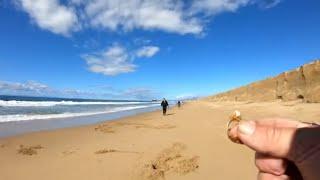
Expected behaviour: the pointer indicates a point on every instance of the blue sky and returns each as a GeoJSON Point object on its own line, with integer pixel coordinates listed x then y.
{"type": "Point", "coordinates": [151, 49]}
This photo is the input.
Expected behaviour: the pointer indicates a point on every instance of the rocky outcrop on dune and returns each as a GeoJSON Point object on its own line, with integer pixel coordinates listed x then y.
{"type": "Point", "coordinates": [301, 83]}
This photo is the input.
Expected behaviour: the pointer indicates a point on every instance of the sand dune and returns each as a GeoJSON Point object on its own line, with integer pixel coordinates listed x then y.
{"type": "Point", "coordinates": [302, 83]}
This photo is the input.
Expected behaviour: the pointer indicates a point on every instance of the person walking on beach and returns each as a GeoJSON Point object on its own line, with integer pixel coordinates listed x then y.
{"type": "Point", "coordinates": [179, 104]}
{"type": "Point", "coordinates": [164, 105]}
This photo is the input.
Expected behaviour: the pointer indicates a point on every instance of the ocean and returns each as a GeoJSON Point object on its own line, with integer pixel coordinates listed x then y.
{"type": "Point", "coordinates": [20, 114]}
{"type": "Point", "coordinates": [21, 108]}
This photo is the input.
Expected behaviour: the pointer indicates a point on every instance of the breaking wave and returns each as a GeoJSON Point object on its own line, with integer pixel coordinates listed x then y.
{"type": "Point", "coordinates": [25, 117]}
{"type": "Point", "coordinates": [14, 103]}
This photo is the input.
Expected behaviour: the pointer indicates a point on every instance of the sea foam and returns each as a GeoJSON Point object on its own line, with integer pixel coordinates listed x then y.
{"type": "Point", "coordinates": [14, 103]}
{"type": "Point", "coordinates": [26, 117]}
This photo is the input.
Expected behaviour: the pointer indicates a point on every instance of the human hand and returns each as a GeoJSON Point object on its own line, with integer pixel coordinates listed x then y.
{"type": "Point", "coordinates": [284, 149]}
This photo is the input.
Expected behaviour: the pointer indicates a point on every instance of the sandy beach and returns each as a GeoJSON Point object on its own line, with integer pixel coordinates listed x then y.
{"type": "Point", "coordinates": [188, 143]}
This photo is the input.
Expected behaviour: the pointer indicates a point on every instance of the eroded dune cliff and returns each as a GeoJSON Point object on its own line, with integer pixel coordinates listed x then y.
{"type": "Point", "coordinates": [301, 83]}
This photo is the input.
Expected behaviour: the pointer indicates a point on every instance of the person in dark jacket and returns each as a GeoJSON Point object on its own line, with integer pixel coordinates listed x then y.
{"type": "Point", "coordinates": [164, 105]}
{"type": "Point", "coordinates": [179, 104]}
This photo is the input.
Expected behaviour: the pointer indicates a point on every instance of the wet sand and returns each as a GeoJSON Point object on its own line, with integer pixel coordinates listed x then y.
{"type": "Point", "coordinates": [188, 143]}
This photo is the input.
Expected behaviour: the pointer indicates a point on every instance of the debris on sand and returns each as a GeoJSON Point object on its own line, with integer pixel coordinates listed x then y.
{"type": "Point", "coordinates": [29, 150]}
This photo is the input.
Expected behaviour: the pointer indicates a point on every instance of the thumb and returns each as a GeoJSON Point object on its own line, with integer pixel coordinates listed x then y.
{"type": "Point", "coordinates": [267, 139]}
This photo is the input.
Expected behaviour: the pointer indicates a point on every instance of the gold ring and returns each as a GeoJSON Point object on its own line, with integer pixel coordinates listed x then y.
{"type": "Point", "coordinates": [235, 119]}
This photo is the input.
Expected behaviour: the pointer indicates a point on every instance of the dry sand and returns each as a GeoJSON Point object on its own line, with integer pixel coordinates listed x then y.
{"type": "Point", "coordinates": [189, 143]}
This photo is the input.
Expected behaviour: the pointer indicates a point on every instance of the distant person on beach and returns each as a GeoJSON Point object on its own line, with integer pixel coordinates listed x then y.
{"type": "Point", "coordinates": [179, 104]}
{"type": "Point", "coordinates": [284, 149]}
{"type": "Point", "coordinates": [164, 105]}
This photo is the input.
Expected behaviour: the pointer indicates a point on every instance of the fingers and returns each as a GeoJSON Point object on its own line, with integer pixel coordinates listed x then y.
{"type": "Point", "coordinates": [277, 167]}
{"type": "Point", "coordinates": [270, 165]}
{"type": "Point", "coordinates": [266, 139]}
{"type": "Point", "coordinates": [272, 140]}
{"type": "Point", "coordinates": [266, 176]}
{"type": "Point", "coordinates": [282, 122]}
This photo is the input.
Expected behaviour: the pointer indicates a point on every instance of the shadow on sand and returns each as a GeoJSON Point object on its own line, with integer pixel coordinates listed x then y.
{"type": "Point", "coordinates": [170, 114]}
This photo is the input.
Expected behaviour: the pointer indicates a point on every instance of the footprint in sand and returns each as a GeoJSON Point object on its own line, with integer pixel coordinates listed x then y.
{"type": "Point", "coordinates": [170, 160]}
{"type": "Point", "coordinates": [104, 128]}
{"type": "Point", "coordinates": [104, 151]}
{"type": "Point", "coordinates": [68, 152]}
{"type": "Point", "coordinates": [108, 128]}
{"type": "Point", "coordinates": [164, 126]}
{"type": "Point", "coordinates": [29, 150]}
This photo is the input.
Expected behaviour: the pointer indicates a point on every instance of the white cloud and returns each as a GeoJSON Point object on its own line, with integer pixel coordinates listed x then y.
{"type": "Point", "coordinates": [140, 93]}
{"type": "Point", "coordinates": [117, 59]}
{"type": "Point", "coordinates": [147, 51]}
{"type": "Point", "coordinates": [165, 15]}
{"type": "Point", "coordinates": [32, 88]}
{"type": "Point", "coordinates": [186, 96]}
{"type": "Point", "coordinates": [28, 86]}
{"type": "Point", "coordinates": [175, 16]}
{"type": "Point", "coordinates": [51, 15]}
{"type": "Point", "coordinates": [268, 3]}
{"type": "Point", "coordinates": [213, 7]}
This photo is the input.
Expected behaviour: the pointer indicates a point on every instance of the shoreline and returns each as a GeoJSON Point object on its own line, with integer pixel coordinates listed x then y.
{"type": "Point", "coordinates": [12, 128]}
{"type": "Point", "coordinates": [189, 143]}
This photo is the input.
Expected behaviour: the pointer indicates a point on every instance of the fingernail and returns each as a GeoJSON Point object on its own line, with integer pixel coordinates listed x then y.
{"type": "Point", "coordinates": [247, 127]}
